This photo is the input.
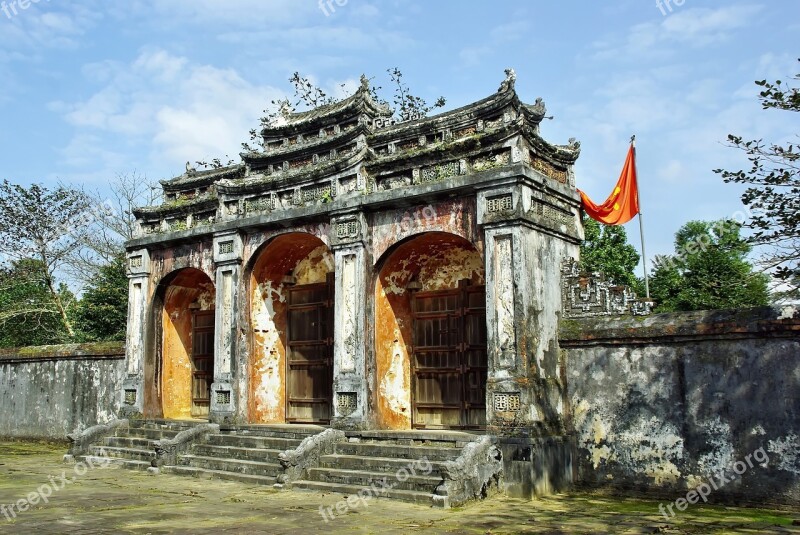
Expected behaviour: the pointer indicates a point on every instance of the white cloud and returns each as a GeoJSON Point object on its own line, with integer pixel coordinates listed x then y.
{"type": "Point", "coordinates": [693, 27]}
{"type": "Point", "coordinates": [166, 104]}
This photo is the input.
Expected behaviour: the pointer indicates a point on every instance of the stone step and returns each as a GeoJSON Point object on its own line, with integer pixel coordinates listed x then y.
{"type": "Point", "coordinates": [437, 439]}
{"type": "Point", "coordinates": [402, 481]}
{"type": "Point", "coordinates": [421, 498]}
{"type": "Point", "coordinates": [248, 441]}
{"type": "Point", "coordinates": [298, 432]}
{"type": "Point", "coordinates": [218, 474]}
{"type": "Point", "coordinates": [129, 442]}
{"type": "Point", "coordinates": [232, 452]}
{"type": "Point", "coordinates": [144, 432]}
{"type": "Point", "coordinates": [164, 424]}
{"type": "Point", "coordinates": [374, 464]}
{"type": "Point", "coordinates": [396, 451]}
{"type": "Point", "coordinates": [131, 464]}
{"type": "Point", "coordinates": [236, 466]}
{"type": "Point", "coordinates": [134, 454]}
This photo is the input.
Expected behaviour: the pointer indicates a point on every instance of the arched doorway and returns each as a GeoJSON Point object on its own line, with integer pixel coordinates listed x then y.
{"type": "Point", "coordinates": [184, 314]}
{"type": "Point", "coordinates": [291, 313]}
{"type": "Point", "coordinates": [430, 310]}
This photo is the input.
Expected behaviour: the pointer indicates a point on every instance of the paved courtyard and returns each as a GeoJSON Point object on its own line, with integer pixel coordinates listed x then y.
{"type": "Point", "coordinates": [111, 500]}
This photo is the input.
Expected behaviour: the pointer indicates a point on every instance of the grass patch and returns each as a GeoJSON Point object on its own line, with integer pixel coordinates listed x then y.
{"type": "Point", "coordinates": [32, 447]}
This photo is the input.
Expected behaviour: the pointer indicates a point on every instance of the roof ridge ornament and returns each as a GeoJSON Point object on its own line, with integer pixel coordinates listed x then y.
{"type": "Point", "coordinates": [509, 82]}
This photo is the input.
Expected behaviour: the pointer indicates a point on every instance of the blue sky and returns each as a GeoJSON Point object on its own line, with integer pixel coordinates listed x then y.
{"type": "Point", "coordinates": [91, 88]}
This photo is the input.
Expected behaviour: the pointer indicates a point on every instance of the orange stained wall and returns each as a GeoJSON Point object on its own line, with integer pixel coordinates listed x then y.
{"type": "Point", "coordinates": [309, 260]}
{"type": "Point", "coordinates": [190, 290]}
{"type": "Point", "coordinates": [438, 261]}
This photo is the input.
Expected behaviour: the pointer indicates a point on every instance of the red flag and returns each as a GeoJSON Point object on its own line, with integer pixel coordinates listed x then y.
{"type": "Point", "coordinates": [623, 204]}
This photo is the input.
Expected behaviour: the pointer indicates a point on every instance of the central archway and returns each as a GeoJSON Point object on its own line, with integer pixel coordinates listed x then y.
{"type": "Point", "coordinates": [430, 339]}
{"type": "Point", "coordinates": [291, 314]}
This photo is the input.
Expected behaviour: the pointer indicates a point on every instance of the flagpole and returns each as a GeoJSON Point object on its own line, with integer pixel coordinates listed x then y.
{"type": "Point", "coordinates": [641, 223]}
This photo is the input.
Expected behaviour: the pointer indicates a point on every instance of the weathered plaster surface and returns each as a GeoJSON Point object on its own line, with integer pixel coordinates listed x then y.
{"type": "Point", "coordinates": [190, 290]}
{"type": "Point", "coordinates": [456, 217]}
{"type": "Point", "coordinates": [668, 402]}
{"type": "Point", "coordinates": [54, 392]}
{"type": "Point", "coordinates": [308, 260]}
{"type": "Point", "coordinates": [438, 261]}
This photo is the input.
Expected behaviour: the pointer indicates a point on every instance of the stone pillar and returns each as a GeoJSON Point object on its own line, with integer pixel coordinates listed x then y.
{"type": "Point", "coordinates": [349, 349]}
{"type": "Point", "coordinates": [529, 231]}
{"type": "Point", "coordinates": [228, 261]}
{"type": "Point", "coordinates": [138, 270]}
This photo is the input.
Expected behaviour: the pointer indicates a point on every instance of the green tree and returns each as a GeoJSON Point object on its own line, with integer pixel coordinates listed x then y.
{"type": "Point", "coordinates": [28, 315]}
{"type": "Point", "coordinates": [48, 226]}
{"type": "Point", "coordinates": [102, 312]}
{"type": "Point", "coordinates": [709, 270]}
{"type": "Point", "coordinates": [606, 250]}
{"type": "Point", "coordinates": [773, 195]}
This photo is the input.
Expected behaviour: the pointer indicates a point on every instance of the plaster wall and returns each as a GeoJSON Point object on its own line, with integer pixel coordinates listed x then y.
{"type": "Point", "coordinates": [670, 402]}
{"type": "Point", "coordinates": [46, 393]}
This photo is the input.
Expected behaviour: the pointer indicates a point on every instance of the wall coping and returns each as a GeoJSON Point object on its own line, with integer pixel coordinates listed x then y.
{"type": "Point", "coordinates": [678, 327]}
{"type": "Point", "coordinates": [94, 351]}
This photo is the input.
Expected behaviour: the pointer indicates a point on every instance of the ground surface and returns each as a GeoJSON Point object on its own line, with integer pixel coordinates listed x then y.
{"type": "Point", "coordinates": [113, 500]}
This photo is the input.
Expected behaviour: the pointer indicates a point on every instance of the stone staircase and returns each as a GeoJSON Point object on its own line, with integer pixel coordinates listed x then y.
{"type": "Point", "coordinates": [400, 465]}
{"type": "Point", "coordinates": [248, 454]}
{"type": "Point", "coordinates": [133, 446]}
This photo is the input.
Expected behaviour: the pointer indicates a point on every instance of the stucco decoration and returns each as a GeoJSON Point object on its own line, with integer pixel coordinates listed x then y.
{"type": "Point", "coordinates": [476, 474]}
{"type": "Point", "coordinates": [295, 463]}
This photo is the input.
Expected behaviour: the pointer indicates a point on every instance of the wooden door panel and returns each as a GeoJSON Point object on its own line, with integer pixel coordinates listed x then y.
{"type": "Point", "coordinates": [309, 378]}
{"type": "Point", "coordinates": [202, 362]}
{"type": "Point", "coordinates": [449, 359]}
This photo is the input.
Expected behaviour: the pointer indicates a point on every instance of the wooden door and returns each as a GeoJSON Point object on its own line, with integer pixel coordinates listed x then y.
{"type": "Point", "coordinates": [202, 362]}
{"type": "Point", "coordinates": [449, 363]}
{"type": "Point", "coordinates": [309, 355]}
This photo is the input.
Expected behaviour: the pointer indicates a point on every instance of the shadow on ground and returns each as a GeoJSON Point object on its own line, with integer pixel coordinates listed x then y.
{"type": "Point", "coordinates": [112, 500]}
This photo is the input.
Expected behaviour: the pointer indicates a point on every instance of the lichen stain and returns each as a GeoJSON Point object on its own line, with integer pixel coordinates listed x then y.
{"type": "Point", "coordinates": [720, 439]}
{"type": "Point", "coordinates": [645, 446]}
{"type": "Point", "coordinates": [438, 261]}
{"type": "Point", "coordinates": [787, 449]}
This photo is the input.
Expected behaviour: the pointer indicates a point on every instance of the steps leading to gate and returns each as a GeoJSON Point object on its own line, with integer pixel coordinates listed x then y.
{"type": "Point", "coordinates": [133, 446]}
{"type": "Point", "coordinates": [247, 454]}
{"type": "Point", "coordinates": [400, 465]}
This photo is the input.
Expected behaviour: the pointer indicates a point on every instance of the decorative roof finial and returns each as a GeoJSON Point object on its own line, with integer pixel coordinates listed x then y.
{"type": "Point", "coordinates": [190, 171]}
{"type": "Point", "coordinates": [364, 83]}
{"type": "Point", "coordinates": [508, 83]}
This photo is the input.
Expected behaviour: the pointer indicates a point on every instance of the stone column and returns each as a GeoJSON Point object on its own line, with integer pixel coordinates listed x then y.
{"type": "Point", "coordinates": [138, 270]}
{"type": "Point", "coordinates": [228, 261]}
{"type": "Point", "coordinates": [349, 349]}
{"type": "Point", "coordinates": [529, 231]}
